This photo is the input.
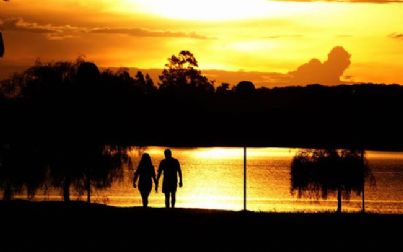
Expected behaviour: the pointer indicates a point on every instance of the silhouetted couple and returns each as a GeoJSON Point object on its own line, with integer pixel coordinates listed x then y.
{"type": "Point", "coordinates": [146, 174]}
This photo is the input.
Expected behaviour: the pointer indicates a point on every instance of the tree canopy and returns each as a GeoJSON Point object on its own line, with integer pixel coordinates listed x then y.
{"type": "Point", "coordinates": [181, 73]}
{"type": "Point", "coordinates": [77, 100]}
{"type": "Point", "coordinates": [318, 172]}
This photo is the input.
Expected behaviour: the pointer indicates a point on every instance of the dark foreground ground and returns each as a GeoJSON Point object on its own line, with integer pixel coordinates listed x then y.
{"type": "Point", "coordinates": [55, 226]}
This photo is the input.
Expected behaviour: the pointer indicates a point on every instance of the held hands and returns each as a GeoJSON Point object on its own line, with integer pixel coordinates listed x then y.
{"type": "Point", "coordinates": [156, 186]}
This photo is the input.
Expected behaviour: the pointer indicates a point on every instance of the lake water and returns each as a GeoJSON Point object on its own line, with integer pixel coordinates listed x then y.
{"type": "Point", "coordinates": [213, 178]}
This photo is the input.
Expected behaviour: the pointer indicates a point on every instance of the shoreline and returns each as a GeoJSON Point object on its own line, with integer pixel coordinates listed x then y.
{"type": "Point", "coordinates": [57, 226]}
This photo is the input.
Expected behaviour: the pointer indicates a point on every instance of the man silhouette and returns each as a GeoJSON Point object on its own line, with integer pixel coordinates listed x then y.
{"type": "Point", "coordinates": [171, 168]}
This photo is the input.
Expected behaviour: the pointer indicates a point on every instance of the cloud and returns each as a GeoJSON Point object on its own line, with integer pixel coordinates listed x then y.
{"type": "Point", "coordinates": [54, 36]}
{"type": "Point", "coordinates": [328, 72]}
{"type": "Point", "coordinates": [314, 71]}
{"type": "Point", "coordinates": [55, 32]}
{"type": "Point", "coordinates": [52, 31]}
{"type": "Point", "coordinates": [18, 24]}
{"type": "Point", "coordinates": [344, 36]}
{"type": "Point", "coordinates": [396, 36]}
{"type": "Point", "coordinates": [283, 36]}
{"type": "Point", "coordinates": [139, 32]}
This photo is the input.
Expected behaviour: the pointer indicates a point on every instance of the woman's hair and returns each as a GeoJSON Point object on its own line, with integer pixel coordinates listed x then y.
{"type": "Point", "coordinates": [145, 160]}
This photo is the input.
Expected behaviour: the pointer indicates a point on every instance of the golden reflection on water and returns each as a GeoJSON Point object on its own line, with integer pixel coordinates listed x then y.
{"type": "Point", "coordinates": [213, 179]}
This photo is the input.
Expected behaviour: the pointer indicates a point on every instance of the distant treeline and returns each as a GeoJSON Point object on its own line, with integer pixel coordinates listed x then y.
{"type": "Point", "coordinates": [75, 102]}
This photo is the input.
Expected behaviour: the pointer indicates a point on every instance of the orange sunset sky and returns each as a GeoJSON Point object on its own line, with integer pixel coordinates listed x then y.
{"type": "Point", "coordinates": [268, 42]}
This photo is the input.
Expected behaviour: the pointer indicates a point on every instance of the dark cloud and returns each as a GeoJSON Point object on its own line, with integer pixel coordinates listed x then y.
{"type": "Point", "coordinates": [55, 32]}
{"type": "Point", "coordinates": [396, 35]}
{"type": "Point", "coordinates": [328, 72]}
{"type": "Point", "coordinates": [139, 32]}
{"type": "Point", "coordinates": [19, 24]}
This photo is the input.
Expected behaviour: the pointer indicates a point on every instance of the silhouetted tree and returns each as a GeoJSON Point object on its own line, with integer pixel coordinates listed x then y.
{"type": "Point", "coordinates": [182, 73]}
{"type": "Point", "coordinates": [44, 83]}
{"type": "Point", "coordinates": [70, 96]}
{"type": "Point", "coordinates": [10, 88]}
{"type": "Point", "coordinates": [149, 84]}
{"type": "Point", "coordinates": [146, 84]}
{"type": "Point", "coordinates": [319, 172]}
{"type": "Point", "coordinates": [245, 88]}
{"type": "Point", "coordinates": [86, 166]}
{"type": "Point", "coordinates": [223, 89]}
{"type": "Point", "coordinates": [22, 166]}
{"type": "Point", "coordinates": [60, 99]}
{"type": "Point", "coordinates": [104, 165]}
{"type": "Point", "coordinates": [88, 74]}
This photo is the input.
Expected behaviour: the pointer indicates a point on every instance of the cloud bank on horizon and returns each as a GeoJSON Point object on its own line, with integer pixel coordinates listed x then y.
{"type": "Point", "coordinates": [330, 72]}
{"type": "Point", "coordinates": [268, 42]}
{"type": "Point", "coordinates": [67, 31]}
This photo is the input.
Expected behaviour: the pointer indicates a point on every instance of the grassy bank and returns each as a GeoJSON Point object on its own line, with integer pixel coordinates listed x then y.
{"type": "Point", "coordinates": [56, 226]}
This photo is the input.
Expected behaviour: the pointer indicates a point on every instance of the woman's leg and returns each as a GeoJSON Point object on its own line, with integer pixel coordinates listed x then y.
{"type": "Point", "coordinates": [167, 200]}
{"type": "Point", "coordinates": [144, 197]}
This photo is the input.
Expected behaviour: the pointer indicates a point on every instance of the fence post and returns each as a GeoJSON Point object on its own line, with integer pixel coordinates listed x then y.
{"type": "Point", "coordinates": [244, 178]}
{"type": "Point", "coordinates": [363, 181]}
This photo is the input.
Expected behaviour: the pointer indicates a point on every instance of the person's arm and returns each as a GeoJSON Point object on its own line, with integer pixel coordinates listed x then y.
{"type": "Point", "coordinates": [154, 177]}
{"type": "Point", "coordinates": [135, 177]}
{"type": "Point", "coordinates": [180, 175]}
{"type": "Point", "coordinates": [158, 176]}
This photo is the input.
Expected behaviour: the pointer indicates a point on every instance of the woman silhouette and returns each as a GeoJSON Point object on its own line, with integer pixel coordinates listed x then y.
{"type": "Point", "coordinates": [146, 172]}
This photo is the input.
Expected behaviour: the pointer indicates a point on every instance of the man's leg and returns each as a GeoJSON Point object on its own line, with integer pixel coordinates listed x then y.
{"type": "Point", "coordinates": [167, 200]}
{"type": "Point", "coordinates": [173, 199]}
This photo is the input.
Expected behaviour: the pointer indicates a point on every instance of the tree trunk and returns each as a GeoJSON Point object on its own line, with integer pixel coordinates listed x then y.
{"type": "Point", "coordinates": [363, 193]}
{"type": "Point", "coordinates": [339, 200]}
{"type": "Point", "coordinates": [88, 186]}
{"type": "Point", "coordinates": [66, 190]}
{"type": "Point", "coordinates": [8, 193]}
{"type": "Point", "coordinates": [363, 181]}
{"type": "Point", "coordinates": [1, 46]}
